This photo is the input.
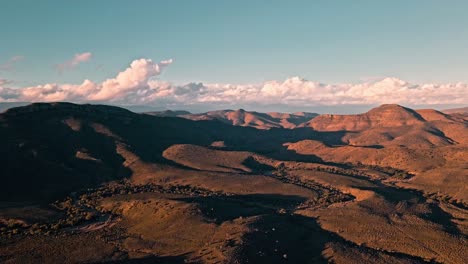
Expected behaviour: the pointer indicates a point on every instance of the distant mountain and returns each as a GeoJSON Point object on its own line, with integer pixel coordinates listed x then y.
{"type": "Point", "coordinates": [254, 119]}
{"type": "Point", "coordinates": [393, 124]}
{"type": "Point", "coordinates": [134, 108]}
{"type": "Point", "coordinates": [169, 113]}
{"type": "Point", "coordinates": [142, 108]}
{"type": "Point", "coordinates": [463, 110]}
{"type": "Point", "coordinates": [382, 116]}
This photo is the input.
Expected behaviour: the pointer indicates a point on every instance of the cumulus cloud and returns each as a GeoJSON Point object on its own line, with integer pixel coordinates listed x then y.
{"type": "Point", "coordinates": [137, 85]}
{"type": "Point", "coordinates": [10, 63]}
{"type": "Point", "coordinates": [73, 62]}
{"type": "Point", "coordinates": [131, 82]}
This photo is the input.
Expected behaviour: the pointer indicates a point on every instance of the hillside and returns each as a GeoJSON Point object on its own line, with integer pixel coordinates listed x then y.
{"type": "Point", "coordinates": [258, 120]}
{"type": "Point", "coordinates": [68, 146]}
{"type": "Point", "coordinates": [169, 113]}
{"type": "Point", "coordinates": [394, 125]}
{"type": "Point", "coordinates": [96, 183]}
{"type": "Point", "coordinates": [80, 141]}
{"type": "Point", "coordinates": [462, 110]}
{"type": "Point", "coordinates": [383, 116]}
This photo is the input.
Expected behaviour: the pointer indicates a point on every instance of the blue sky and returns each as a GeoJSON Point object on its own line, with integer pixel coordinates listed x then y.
{"type": "Point", "coordinates": [241, 41]}
{"type": "Point", "coordinates": [238, 41]}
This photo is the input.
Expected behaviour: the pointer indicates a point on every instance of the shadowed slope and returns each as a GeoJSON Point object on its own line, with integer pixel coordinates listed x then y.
{"type": "Point", "coordinates": [68, 146]}
{"type": "Point", "coordinates": [255, 119]}
{"type": "Point", "coordinates": [59, 147]}
{"type": "Point", "coordinates": [210, 192]}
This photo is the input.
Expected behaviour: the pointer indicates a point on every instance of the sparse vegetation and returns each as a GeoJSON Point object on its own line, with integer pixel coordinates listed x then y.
{"type": "Point", "coordinates": [207, 192]}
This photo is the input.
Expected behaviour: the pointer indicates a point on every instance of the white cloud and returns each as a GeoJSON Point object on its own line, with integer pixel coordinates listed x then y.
{"type": "Point", "coordinates": [134, 78]}
{"type": "Point", "coordinates": [127, 84]}
{"type": "Point", "coordinates": [72, 63]}
{"type": "Point", "coordinates": [137, 85]}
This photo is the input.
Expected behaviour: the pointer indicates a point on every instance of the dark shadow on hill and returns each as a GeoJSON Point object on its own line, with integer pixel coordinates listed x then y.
{"type": "Point", "coordinates": [277, 238]}
{"type": "Point", "coordinates": [274, 234]}
{"type": "Point", "coordinates": [38, 150]}
{"type": "Point", "coordinates": [39, 159]}
{"type": "Point", "coordinates": [148, 136]}
{"type": "Point", "coordinates": [256, 166]}
{"type": "Point", "coordinates": [277, 235]}
{"type": "Point", "coordinates": [225, 208]}
{"type": "Point", "coordinates": [280, 238]}
{"type": "Point", "coordinates": [406, 199]}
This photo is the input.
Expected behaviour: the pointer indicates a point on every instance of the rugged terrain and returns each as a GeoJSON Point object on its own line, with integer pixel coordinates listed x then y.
{"type": "Point", "coordinates": [94, 183]}
{"type": "Point", "coordinates": [241, 117]}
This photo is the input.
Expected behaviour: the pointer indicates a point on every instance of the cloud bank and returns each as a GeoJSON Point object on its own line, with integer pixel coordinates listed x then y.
{"type": "Point", "coordinates": [72, 63]}
{"type": "Point", "coordinates": [137, 85]}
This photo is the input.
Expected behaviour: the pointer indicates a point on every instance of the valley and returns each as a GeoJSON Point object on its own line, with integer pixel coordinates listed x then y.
{"type": "Point", "coordinates": [94, 183]}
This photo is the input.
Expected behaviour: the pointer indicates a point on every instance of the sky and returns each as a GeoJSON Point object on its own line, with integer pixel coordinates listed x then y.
{"type": "Point", "coordinates": [204, 55]}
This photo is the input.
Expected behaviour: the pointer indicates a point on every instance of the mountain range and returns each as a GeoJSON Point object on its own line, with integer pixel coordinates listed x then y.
{"type": "Point", "coordinates": [232, 186]}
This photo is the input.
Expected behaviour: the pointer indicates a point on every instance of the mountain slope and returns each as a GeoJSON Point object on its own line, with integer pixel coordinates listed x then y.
{"type": "Point", "coordinates": [169, 113]}
{"type": "Point", "coordinates": [68, 146]}
{"type": "Point", "coordinates": [463, 110]}
{"type": "Point", "coordinates": [394, 125]}
{"type": "Point", "coordinates": [137, 188]}
{"type": "Point", "coordinates": [255, 119]}
{"type": "Point", "coordinates": [383, 116]}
